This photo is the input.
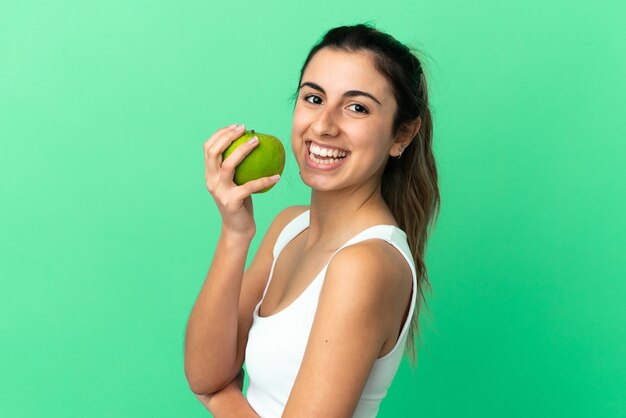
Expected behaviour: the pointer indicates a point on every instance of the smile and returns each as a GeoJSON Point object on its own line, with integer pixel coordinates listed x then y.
{"type": "Point", "coordinates": [325, 155]}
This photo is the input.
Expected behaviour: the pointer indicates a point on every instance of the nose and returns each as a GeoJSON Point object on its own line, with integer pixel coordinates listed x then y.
{"type": "Point", "coordinates": [325, 123]}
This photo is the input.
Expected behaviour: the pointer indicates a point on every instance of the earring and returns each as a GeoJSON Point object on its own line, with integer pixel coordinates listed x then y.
{"type": "Point", "coordinates": [401, 150]}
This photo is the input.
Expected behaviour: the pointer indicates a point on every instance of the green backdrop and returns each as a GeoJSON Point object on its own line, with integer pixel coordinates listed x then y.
{"type": "Point", "coordinates": [107, 229]}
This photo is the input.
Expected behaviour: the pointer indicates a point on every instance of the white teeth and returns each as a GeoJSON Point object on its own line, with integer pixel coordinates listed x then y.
{"type": "Point", "coordinates": [318, 161]}
{"type": "Point", "coordinates": [326, 152]}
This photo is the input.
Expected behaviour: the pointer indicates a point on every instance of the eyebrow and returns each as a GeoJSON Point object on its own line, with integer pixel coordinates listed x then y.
{"type": "Point", "coordinates": [349, 93]}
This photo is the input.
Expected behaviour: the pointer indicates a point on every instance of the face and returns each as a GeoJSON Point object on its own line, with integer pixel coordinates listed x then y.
{"type": "Point", "coordinates": [342, 124]}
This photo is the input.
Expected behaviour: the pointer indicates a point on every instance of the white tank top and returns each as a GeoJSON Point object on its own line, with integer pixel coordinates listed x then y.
{"type": "Point", "coordinates": [276, 343]}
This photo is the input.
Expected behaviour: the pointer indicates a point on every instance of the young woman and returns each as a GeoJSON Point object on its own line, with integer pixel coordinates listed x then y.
{"type": "Point", "coordinates": [332, 296]}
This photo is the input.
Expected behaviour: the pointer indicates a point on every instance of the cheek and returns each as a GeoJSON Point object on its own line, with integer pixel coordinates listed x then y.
{"type": "Point", "coordinates": [299, 114]}
{"type": "Point", "coordinates": [385, 136]}
{"type": "Point", "coordinates": [298, 126]}
{"type": "Point", "coordinates": [373, 136]}
{"type": "Point", "coordinates": [296, 141]}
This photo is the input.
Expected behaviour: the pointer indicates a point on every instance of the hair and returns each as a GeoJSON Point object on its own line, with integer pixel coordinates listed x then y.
{"type": "Point", "coordinates": [409, 184]}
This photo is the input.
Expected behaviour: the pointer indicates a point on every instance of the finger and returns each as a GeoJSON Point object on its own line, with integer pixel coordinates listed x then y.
{"type": "Point", "coordinates": [237, 156]}
{"type": "Point", "coordinates": [210, 163]}
{"type": "Point", "coordinates": [218, 134]}
{"type": "Point", "coordinates": [257, 185]}
{"type": "Point", "coordinates": [219, 144]}
{"type": "Point", "coordinates": [215, 146]}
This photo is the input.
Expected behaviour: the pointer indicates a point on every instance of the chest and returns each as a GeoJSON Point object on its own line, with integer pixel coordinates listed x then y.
{"type": "Point", "coordinates": [294, 270]}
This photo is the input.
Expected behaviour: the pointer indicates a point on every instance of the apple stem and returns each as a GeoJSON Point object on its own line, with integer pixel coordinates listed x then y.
{"type": "Point", "coordinates": [252, 131]}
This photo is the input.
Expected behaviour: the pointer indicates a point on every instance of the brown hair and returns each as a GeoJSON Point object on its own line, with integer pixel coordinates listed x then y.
{"type": "Point", "coordinates": [409, 184]}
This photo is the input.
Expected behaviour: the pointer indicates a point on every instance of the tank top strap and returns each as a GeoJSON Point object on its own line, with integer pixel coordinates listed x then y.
{"type": "Point", "coordinates": [290, 231]}
{"type": "Point", "coordinates": [389, 233]}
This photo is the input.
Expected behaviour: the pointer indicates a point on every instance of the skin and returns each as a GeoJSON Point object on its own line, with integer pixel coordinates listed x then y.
{"type": "Point", "coordinates": [358, 124]}
{"type": "Point", "coordinates": [348, 334]}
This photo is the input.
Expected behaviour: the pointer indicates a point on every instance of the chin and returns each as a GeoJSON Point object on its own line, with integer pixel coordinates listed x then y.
{"type": "Point", "coordinates": [320, 184]}
{"type": "Point", "coordinates": [316, 183]}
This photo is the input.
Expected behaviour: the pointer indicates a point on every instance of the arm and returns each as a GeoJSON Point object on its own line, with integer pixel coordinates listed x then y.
{"type": "Point", "coordinates": [349, 333]}
{"type": "Point", "coordinates": [211, 339]}
{"type": "Point", "coordinates": [219, 322]}
{"type": "Point", "coordinates": [212, 328]}
{"type": "Point", "coordinates": [229, 402]}
{"type": "Point", "coordinates": [215, 348]}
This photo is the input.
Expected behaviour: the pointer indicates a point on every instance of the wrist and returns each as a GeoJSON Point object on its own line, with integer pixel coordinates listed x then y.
{"type": "Point", "coordinates": [236, 238]}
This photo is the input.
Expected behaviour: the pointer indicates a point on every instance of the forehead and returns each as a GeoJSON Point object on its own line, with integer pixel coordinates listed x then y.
{"type": "Point", "coordinates": [344, 70]}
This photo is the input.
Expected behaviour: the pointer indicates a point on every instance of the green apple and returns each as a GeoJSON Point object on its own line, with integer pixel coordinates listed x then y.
{"type": "Point", "coordinates": [266, 159]}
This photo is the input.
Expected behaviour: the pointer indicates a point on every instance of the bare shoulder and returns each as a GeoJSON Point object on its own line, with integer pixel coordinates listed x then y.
{"type": "Point", "coordinates": [375, 275]}
{"type": "Point", "coordinates": [377, 262]}
{"type": "Point", "coordinates": [278, 224]}
{"type": "Point", "coordinates": [287, 215]}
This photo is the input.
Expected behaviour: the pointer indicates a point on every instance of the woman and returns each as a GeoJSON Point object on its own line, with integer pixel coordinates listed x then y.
{"type": "Point", "coordinates": [332, 295]}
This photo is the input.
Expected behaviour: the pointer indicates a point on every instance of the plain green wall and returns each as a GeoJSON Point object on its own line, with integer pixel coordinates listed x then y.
{"type": "Point", "coordinates": [107, 230]}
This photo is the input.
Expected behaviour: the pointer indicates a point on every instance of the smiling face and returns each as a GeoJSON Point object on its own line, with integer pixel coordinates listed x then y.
{"type": "Point", "coordinates": [342, 124]}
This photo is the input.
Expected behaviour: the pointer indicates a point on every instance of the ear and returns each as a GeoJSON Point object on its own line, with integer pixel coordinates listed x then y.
{"type": "Point", "coordinates": [405, 135]}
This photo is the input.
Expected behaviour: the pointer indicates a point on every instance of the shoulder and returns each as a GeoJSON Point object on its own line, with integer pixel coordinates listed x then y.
{"type": "Point", "coordinates": [280, 222]}
{"type": "Point", "coordinates": [287, 215]}
{"type": "Point", "coordinates": [375, 275]}
{"type": "Point", "coordinates": [265, 250]}
{"type": "Point", "coordinates": [377, 261]}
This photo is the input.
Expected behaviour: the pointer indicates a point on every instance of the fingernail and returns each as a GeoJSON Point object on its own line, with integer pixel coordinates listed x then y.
{"type": "Point", "coordinates": [239, 127]}
{"type": "Point", "coordinates": [275, 178]}
{"type": "Point", "coordinates": [253, 140]}
{"type": "Point", "coordinates": [232, 126]}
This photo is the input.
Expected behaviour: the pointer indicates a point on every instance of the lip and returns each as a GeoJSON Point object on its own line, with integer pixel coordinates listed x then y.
{"type": "Point", "coordinates": [324, 167]}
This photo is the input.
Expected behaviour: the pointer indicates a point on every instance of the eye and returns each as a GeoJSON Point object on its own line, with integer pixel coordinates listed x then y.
{"type": "Point", "coordinates": [312, 98]}
{"type": "Point", "coordinates": [359, 108]}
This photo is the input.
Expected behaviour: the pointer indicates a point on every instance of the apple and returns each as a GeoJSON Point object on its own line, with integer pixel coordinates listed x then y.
{"type": "Point", "coordinates": [266, 159]}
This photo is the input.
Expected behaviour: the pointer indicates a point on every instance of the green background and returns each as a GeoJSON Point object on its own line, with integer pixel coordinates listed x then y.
{"type": "Point", "coordinates": [107, 229]}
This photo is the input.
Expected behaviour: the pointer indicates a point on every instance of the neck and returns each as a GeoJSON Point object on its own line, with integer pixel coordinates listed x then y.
{"type": "Point", "coordinates": [337, 215]}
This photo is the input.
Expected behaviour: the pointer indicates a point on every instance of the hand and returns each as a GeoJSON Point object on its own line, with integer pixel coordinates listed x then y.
{"type": "Point", "coordinates": [233, 202]}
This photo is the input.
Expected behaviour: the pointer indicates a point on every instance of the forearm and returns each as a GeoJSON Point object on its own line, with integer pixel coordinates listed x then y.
{"type": "Point", "coordinates": [211, 337]}
{"type": "Point", "coordinates": [232, 405]}
{"type": "Point", "coordinates": [229, 402]}
{"type": "Point", "coordinates": [237, 407]}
